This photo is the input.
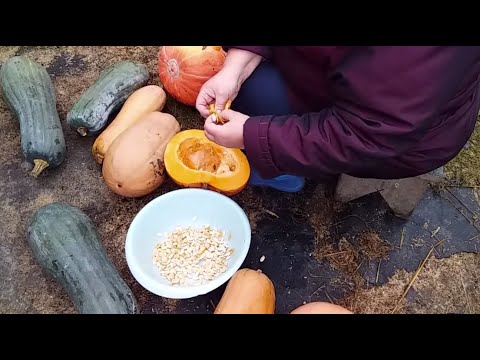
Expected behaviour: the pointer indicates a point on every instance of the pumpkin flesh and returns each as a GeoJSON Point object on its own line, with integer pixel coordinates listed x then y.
{"type": "Point", "coordinates": [192, 160]}
{"type": "Point", "coordinates": [184, 69]}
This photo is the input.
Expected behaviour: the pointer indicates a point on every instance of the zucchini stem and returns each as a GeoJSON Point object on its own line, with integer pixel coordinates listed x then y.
{"type": "Point", "coordinates": [40, 165]}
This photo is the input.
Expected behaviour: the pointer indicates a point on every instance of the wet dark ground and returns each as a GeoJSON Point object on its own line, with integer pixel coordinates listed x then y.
{"type": "Point", "coordinates": [290, 230]}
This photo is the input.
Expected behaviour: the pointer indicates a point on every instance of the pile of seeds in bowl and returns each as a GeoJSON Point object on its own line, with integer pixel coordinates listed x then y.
{"type": "Point", "coordinates": [192, 256]}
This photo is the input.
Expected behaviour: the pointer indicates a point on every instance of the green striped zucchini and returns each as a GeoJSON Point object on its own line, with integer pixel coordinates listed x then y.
{"type": "Point", "coordinates": [65, 243]}
{"type": "Point", "coordinates": [90, 114]}
{"type": "Point", "coordinates": [29, 93]}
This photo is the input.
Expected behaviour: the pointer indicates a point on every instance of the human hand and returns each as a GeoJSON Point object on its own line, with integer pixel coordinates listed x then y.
{"type": "Point", "coordinates": [219, 89]}
{"type": "Point", "coordinates": [229, 134]}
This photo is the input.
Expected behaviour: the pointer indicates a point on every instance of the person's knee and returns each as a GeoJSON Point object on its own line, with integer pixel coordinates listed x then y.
{"type": "Point", "coordinates": [263, 93]}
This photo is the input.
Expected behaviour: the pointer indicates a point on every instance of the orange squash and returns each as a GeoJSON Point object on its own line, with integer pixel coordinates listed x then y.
{"type": "Point", "coordinates": [247, 292]}
{"type": "Point", "coordinates": [133, 165]}
{"type": "Point", "coordinates": [192, 160]}
{"type": "Point", "coordinates": [320, 307]}
{"type": "Point", "coordinates": [143, 101]}
{"type": "Point", "coordinates": [184, 69]}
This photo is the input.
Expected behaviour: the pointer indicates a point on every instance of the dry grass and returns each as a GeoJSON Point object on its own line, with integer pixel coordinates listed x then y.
{"type": "Point", "coordinates": [347, 256]}
{"type": "Point", "coordinates": [415, 276]}
{"type": "Point", "coordinates": [170, 305]}
{"type": "Point", "coordinates": [380, 299]}
{"type": "Point", "coordinates": [373, 247]}
{"type": "Point", "coordinates": [463, 170]}
{"type": "Point", "coordinates": [343, 257]}
{"type": "Point", "coordinates": [450, 285]}
{"type": "Point", "coordinates": [320, 211]}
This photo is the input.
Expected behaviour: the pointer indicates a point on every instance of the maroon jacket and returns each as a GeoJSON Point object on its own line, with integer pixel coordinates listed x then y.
{"type": "Point", "coordinates": [380, 111]}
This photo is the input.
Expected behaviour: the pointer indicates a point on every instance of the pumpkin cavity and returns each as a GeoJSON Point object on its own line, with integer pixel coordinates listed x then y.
{"type": "Point", "coordinates": [206, 156]}
{"type": "Point", "coordinates": [192, 160]}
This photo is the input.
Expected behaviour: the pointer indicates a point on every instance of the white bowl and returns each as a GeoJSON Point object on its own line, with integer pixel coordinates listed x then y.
{"type": "Point", "coordinates": [184, 207]}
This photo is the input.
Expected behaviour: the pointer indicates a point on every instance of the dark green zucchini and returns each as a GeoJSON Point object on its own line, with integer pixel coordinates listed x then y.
{"type": "Point", "coordinates": [66, 244]}
{"type": "Point", "coordinates": [91, 112]}
{"type": "Point", "coordinates": [29, 93]}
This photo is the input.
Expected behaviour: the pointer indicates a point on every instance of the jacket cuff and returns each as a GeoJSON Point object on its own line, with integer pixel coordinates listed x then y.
{"type": "Point", "coordinates": [257, 147]}
{"type": "Point", "coordinates": [263, 51]}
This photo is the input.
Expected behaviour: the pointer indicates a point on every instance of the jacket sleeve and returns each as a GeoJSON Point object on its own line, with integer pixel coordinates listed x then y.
{"type": "Point", "coordinates": [385, 99]}
{"type": "Point", "coordinates": [263, 51]}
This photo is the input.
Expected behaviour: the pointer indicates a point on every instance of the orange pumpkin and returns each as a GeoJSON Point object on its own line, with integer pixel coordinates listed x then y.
{"type": "Point", "coordinates": [248, 292]}
{"type": "Point", "coordinates": [184, 69]}
{"type": "Point", "coordinates": [320, 307]}
{"type": "Point", "coordinates": [192, 160]}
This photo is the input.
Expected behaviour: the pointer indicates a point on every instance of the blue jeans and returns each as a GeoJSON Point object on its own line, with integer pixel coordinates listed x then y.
{"type": "Point", "coordinates": [264, 93]}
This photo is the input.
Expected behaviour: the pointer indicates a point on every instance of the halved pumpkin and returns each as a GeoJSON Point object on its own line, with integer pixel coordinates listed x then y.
{"type": "Point", "coordinates": [192, 160]}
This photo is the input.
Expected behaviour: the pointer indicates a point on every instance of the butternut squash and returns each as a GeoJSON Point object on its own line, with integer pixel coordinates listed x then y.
{"type": "Point", "coordinates": [320, 307]}
{"type": "Point", "coordinates": [143, 101]}
{"type": "Point", "coordinates": [134, 164]}
{"type": "Point", "coordinates": [248, 292]}
{"type": "Point", "coordinates": [192, 160]}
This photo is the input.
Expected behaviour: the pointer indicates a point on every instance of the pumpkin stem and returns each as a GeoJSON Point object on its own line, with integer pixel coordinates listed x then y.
{"type": "Point", "coordinates": [172, 68]}
{"type": "Point", "coordinates": [82, 131]}
{"type": "Point", "coordinates": [40, 165]}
